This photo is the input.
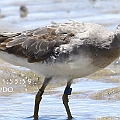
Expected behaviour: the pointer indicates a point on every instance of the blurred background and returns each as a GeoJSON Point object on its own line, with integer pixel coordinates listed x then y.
{"type": "Point", "coordinates": [96, 97]}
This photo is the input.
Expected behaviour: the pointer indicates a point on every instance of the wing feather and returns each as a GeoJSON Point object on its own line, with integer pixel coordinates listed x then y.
{"type": "Point", "coordinates": [36, 45]}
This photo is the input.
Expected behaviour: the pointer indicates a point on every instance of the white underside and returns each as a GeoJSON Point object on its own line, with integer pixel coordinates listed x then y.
{"type": "Point", "coordinates": [79, 67]}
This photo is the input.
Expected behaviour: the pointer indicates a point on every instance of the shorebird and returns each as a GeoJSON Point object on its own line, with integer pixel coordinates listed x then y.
{"type": "Point", "coordinates": [1, 15]}
{"type": "Point", "coordinates": [23, 11]}
{"type": "Point", "coordinates": [61, 51]}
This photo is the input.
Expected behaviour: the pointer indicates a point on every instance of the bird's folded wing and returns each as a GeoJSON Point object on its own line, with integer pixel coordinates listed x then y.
{"type": "Point", "coordinates": [37, 44]}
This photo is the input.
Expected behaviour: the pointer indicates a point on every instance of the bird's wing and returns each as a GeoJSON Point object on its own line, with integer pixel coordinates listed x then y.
{"type": "Point", "coordinates": [37, 44]}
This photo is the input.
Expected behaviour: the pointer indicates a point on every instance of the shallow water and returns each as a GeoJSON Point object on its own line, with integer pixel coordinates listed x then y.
{"type": "Point", "coordinates": [96, 97]}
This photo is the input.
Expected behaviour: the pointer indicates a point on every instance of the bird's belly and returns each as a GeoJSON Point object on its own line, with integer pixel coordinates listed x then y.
{"type": "Point", "coordinates": [77, 68]}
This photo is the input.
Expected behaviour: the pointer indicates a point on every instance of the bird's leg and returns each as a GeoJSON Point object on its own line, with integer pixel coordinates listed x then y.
{"type": "Point", "coordinates": [39, 97]}
{"type": "Point", "coordinates": [65, 99]}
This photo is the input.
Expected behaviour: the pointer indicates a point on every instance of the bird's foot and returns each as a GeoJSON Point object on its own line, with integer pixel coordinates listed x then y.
{"type": "Point", "coordinates": [35, 117]}
{"type": "Point", "coordinates": [70, 118]}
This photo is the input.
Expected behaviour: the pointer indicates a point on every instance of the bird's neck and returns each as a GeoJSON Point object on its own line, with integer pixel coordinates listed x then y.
{"type": "Point", "coordinates": [115, 46]}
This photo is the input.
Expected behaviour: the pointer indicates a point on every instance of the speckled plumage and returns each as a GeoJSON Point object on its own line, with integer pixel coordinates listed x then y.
{"type": "Point", "coordinates": [69, 49]}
